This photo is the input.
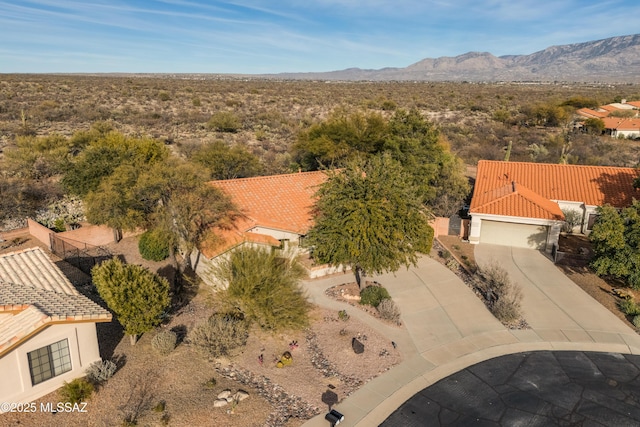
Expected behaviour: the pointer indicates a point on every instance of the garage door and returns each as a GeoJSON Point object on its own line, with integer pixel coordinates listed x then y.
{"type": "Point", "coordinates": [512, 234]}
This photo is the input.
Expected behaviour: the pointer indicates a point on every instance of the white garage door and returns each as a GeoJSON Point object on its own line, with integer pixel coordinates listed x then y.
{"type": "Point", "coordinates": [512, 234]}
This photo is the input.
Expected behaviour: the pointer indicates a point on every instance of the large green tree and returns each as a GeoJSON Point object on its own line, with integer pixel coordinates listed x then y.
{"type": "Point", "coordinates": [407, 136]}
{"type": "Point", "coordinates": [100, 158]}
{"type": "Point", "coordinates": [616, 243]}
{"type": "Point", "coordinates": [369, 217]}
{"type": "Point", "coordinates": [170, 196]}
{"type": "Point", "coordinates": [137, 296]}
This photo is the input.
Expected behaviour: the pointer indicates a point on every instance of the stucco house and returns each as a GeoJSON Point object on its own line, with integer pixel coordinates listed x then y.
{"type": "Point", "coordinates": [521, 204]}
{"type": "Point", "coordinates": [621, 128]}
{"type": "Point", "coordinates": [47, 328]}
{"type": "Point", "coordinates": [276, 213]}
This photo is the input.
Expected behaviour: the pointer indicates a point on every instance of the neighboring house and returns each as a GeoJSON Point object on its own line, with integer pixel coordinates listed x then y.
{"type": "Point", "coordinates": [592, 114]}
{"type": "Point", "coordinates": [621, 128]}
{"type": "Point", "coordinates": [605, 110]}
{"type": "Point", "coordinates": [522, 204]}
{"type": "Point", "coordinates": [276, 213]}
{"type": "Point", "coordinates": [47, 328]}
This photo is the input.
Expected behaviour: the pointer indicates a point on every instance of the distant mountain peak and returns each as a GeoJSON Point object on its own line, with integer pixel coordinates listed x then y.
{"type": "Point", "coordinates": [615, 59]}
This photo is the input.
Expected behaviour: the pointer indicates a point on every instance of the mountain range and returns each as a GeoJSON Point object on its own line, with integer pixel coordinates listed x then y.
{"type": "Point", "coordinates": [615, 59]}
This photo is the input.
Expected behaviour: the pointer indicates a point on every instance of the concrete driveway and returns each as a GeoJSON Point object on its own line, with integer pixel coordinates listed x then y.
{"type": "Point", "coordinates": [555, 307]}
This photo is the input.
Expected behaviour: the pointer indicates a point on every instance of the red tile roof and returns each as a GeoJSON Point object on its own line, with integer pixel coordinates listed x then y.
{"type": "Point", "coordinates": [621, 124]}
{"type": "Point", "coordinates": [281, 202]}
{"type": "Point", "coordinates": [516, 200]}
{"type": "Point", "coordinates": [634, 103]}
{"type": "Point", "coordinates": [593, 114]}
{"type": "Point", "coordinates": [593, 185]}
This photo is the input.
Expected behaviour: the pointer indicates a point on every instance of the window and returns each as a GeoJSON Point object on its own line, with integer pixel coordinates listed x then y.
{"type": "Point", "coordinates": [592, 220]}
{"type": "Point", "coordinates": [50, 361]}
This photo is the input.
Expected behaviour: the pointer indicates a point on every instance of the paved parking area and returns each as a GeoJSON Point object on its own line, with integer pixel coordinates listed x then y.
{"type": "Point", "coordinates": [533, 389]}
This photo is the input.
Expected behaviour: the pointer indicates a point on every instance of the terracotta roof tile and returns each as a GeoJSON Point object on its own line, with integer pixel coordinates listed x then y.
{"type": "Point", "coordinates": [634, 103]}
{"type": "Point", "coordinates": [281, 202]}
{"type": "Point", "coordinates": [621, 124]}
{"type": "Point", "coordinates": [593, 185]}
{"type": "Point", "coordinates": [588, 112]}
{"type": "Point", "coordinates": [516, 200]}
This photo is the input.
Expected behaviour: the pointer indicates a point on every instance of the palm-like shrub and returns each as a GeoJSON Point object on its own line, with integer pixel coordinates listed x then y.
{"type": "Point", "coordinates": [266, 288]}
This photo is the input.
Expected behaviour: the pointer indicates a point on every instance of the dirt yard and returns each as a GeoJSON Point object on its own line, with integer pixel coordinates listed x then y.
{"type": "Point", "coordinates": [178, 389]}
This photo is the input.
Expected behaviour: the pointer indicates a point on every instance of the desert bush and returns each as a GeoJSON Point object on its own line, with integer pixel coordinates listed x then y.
{"type": "Point", "coordinates": [388, 310]}
{"type": "Point", "coordinates": [343, 315]}
{"type": "Point", "coordinates": [503, 296]}
{"type": "Point", "coordinates": [636, 321]}
{"type": "Point", "coordinates": [220, 334]}
{"type": "Point", "coordinates": [265, 287]}
{"type": "Point", "coordinates": [164, 342]}
{"type": "Point", "coordinates": [224, 121]}
{"type": "Point", "coordinates": [453, 265]}
{"type": "Point", "coordinates": [373, 295]}
{"type": "Point", "coordinates": [153, 246]}
{"type": "Point", "coordinates": [629, 307]}
{"type": "Point", "coordinates": [572, 219]}
{"type": "Point", "coordinates": [99, 372]}
{"type": "Point", "coordinates": [78, 390]}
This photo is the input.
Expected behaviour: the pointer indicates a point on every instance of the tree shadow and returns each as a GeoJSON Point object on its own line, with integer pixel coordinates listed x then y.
{"type": "Point", "coordinates": [109, 336]}
{"type": "Point", "coordinates": [185, 287]}
{"type": "Point", "coordinates": [181, 333]}
{"type": "Point", "coordinates": [329, 398]}
{"type": "Point", "coordinates": [617, 188]}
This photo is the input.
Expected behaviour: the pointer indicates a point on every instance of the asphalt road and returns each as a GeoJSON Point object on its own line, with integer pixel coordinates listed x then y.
{"type": "Point", "coordinates": [543, 388]}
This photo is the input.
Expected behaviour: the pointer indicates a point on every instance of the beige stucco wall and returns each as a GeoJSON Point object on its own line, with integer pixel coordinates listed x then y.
{"type": "Point", "coordinates": [16, 387]}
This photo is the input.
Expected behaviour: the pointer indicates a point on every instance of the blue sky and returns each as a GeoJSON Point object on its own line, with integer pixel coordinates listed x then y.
{"type": "Point", "coordinates": [270, 36]}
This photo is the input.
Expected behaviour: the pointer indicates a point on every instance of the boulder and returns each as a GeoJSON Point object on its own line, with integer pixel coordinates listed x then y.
{"type": "Point", "coordinates": [240, 395]}
{"type": "Point", "coordinates": [218, 403]}
{"type": "Point", "coordinates": [224, 394]}
{"type": "Point", "coordinates": [358, 347]}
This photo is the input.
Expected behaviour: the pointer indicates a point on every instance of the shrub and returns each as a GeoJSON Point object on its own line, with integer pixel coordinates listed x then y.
{"type": "Point", "coordinates": [153, 246]}
{"type": "Point", "coordinates": [266, 287]}
{"type": "Point", "coordinates": [224, 121]}
{"type": "Point", "coordinates": [164, 342]}
{"type": "Point", "coordinates": [453, 265]}
{"type": "Point", "coordinates": [388, 310]}
{"type": "Point", "coordinates": [99, 372]}
{"type": "Point", "coordinates": [343, 315]}
{"type": "Point", "coordinates": [572, 219]}
{"type": "Point", "coordinates": [373, 295]}
{"type": "Point", "coordinates": [503, 296]}
{"type": "Point", "coordinates": [78, 390]}
{"type": "Point", "coordinates": [629, 307]}
{"type": "Point", "coordinates": [220, 334]}
{"type": "Point", "coordinates": [636, 321]}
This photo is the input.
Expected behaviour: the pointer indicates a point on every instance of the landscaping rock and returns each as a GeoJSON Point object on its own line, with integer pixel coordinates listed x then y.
{"type": "Point", "coordinates": [240, 395]}
{"type": "Point", "coordinates": [218, 403]}
{"type": "Point", "coordinates": [358, 347]}
{"type": "Point", "coordinates": [224, 394]}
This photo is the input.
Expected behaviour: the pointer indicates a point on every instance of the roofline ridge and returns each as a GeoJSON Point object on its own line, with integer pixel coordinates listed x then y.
{"type": "Point", "coordinates": [256, 178]}
{"type": "Point", "coordinates": [20, 251]}
{"type": "Point", "coordinates": [560, 165]}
